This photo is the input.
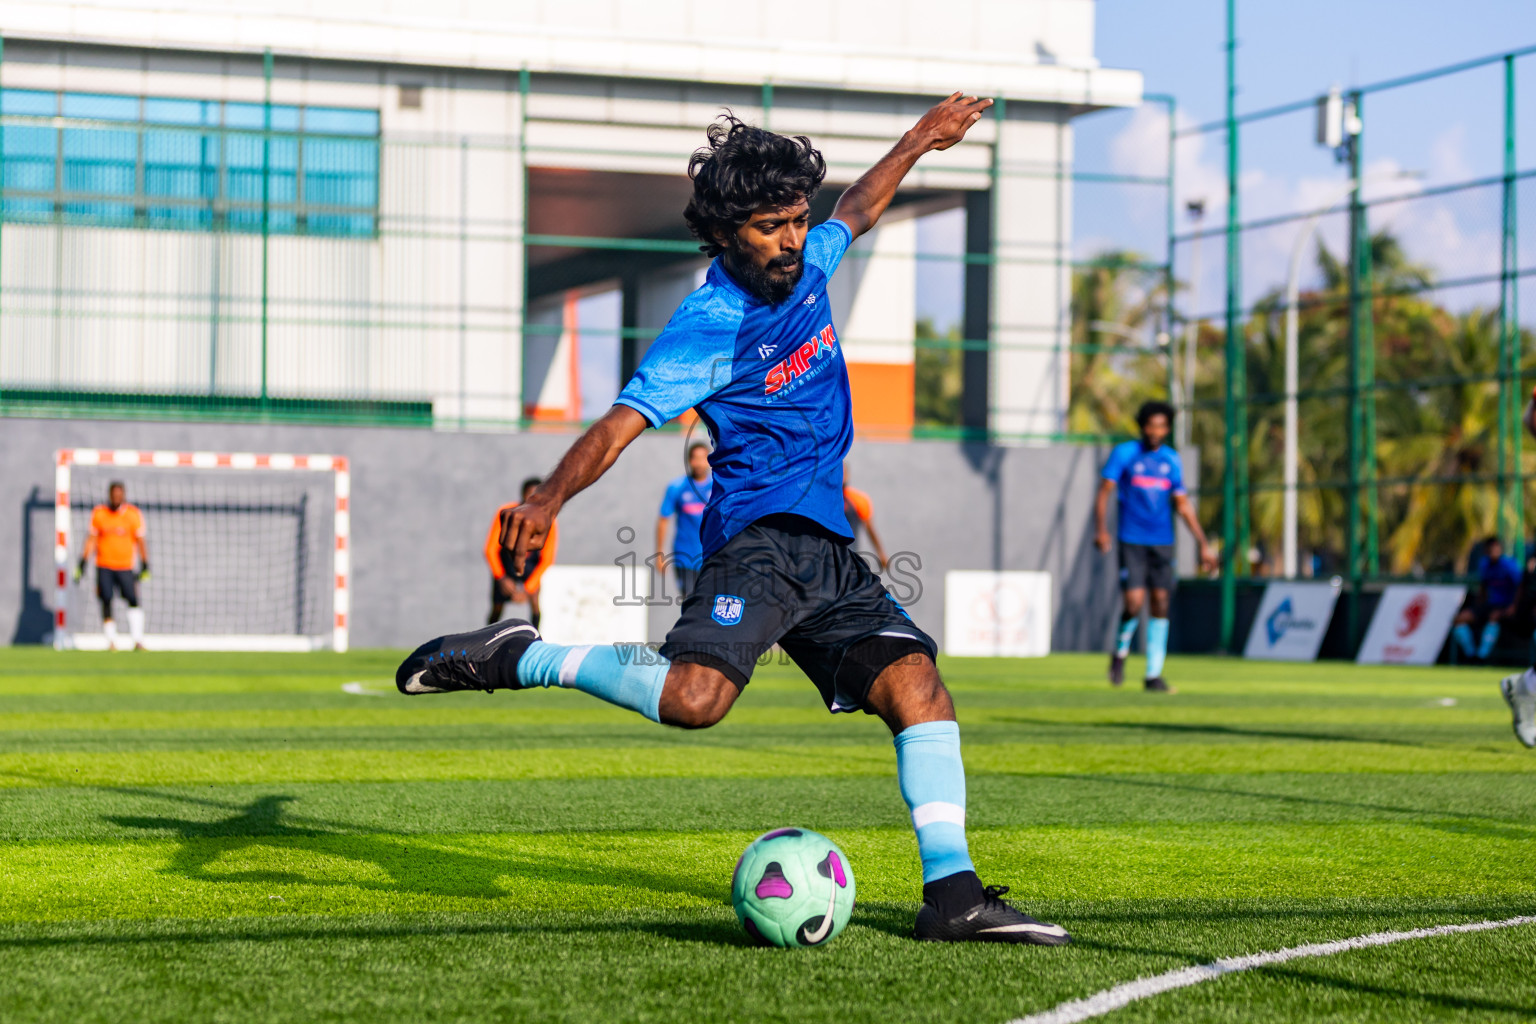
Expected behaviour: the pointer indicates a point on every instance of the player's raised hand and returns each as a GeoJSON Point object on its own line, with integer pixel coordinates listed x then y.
{"type": "Point", "coordinates": [524, 529]}
{"type": "Point", "coordinates": [946, 123]}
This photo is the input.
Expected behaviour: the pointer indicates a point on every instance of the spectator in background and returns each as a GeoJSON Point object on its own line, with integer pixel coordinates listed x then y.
{"type": "Point", "coordinates": [685, 500]}
{"type": "Point", "coordinates": [507, 584]}
{"type": "Point", "coordinates": [1498, 589]}
{"type": "Point", "coordinates": [861, 517]}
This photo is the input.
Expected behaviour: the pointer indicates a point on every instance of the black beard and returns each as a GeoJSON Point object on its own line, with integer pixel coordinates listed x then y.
{"type": "Point", "coordinates": [770, 288]}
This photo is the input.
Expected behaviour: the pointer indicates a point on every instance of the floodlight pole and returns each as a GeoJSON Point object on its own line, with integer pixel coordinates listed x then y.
{"type": "Point", "coordinates": [1235, 435]}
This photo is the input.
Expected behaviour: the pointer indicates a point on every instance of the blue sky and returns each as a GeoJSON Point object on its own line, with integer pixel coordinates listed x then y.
{"type": "Point", "coordinates": [1438, 132]}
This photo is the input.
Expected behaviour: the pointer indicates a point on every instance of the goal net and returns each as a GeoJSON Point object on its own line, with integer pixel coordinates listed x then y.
{"type": "Point", "coordinates": [247, 551]}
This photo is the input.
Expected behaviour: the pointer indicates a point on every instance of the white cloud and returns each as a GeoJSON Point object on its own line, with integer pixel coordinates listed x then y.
{"type": "Point", "coordinates": [1449, 233]}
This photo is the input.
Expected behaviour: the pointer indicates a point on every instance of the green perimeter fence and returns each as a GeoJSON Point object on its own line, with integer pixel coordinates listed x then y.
{"type": "Point", "coordinates": [280, 262]}
{"type": "Point", "coordinates": [1393, 291]}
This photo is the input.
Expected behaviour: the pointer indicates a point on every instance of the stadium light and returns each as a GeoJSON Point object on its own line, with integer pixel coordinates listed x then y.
{"type": "Point", "coordinates": [1292, 359]}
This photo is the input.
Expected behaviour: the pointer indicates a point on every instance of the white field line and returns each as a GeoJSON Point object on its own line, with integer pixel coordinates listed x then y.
{"type": "Point", "coordinates": [368, 689]}
{"type": "Point", "coordinates": [1123, 995]}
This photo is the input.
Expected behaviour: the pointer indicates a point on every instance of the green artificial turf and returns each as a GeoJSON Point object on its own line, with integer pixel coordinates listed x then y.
{"type": "Point", "coordinates": [235, 838]}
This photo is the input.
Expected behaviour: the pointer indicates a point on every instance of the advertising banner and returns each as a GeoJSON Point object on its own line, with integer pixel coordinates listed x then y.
{"type": "Point", "coordinates": [1411, 624]}
{"type": "Point", "coordinates": [997, 614]}
{"type": "Point", "coordinates": [594, 604]}
{"type": "Point", "coordinates": [1291, 621]}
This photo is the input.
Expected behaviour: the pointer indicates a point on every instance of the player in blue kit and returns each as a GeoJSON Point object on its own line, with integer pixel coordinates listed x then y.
{"type": "Point", "coordinates": [685, 501]}
{"type": "Point", "coordinates": [755, 353]}
{"type": "Point", "coordinates": [1150, 479]}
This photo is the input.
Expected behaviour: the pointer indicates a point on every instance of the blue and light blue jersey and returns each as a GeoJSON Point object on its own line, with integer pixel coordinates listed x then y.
{"type": "Point", "coordinates": [1501, 579]}
{"type": "Point", "coordinates": [1147, 479]}
{"type": "Point", "coordinates": [686, 499]}
{"type": "Point", "coordinates": [769, 383]}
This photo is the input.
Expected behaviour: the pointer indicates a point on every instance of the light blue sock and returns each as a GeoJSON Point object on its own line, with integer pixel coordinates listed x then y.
{"type": "Point", "coordinates": [1127, 634]}
{"type": "Point", "coordinates": [629, 675]}
{"type": "Point", "coordinates": [933, 785]}
{"type": "Point", "coordinates": [1157, 647]}
{"type": "Point", "coordinates": [1463, 635]}
{"type": "Point", "coordinates": [1490, 640]}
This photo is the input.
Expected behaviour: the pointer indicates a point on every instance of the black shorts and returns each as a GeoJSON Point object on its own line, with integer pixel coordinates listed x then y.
{"type": "Point", "coordinates": [1144, 566]}
{"type": "Point", "coordinates": [497, 597]}
{"type": "Point", "coordinates": [785, 580]}
{"type": "Point", "coordinates": [1482, 611]}
{"type": "Point", "coordinates": [123, 581]}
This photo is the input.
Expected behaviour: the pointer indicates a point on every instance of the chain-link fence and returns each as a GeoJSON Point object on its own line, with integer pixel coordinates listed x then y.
{"type": "Point", "coordinates": [1358, 395]}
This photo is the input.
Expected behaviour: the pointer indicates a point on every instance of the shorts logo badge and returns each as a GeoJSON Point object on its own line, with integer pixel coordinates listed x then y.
{"type": "Point", "coordinates": [728, 609]}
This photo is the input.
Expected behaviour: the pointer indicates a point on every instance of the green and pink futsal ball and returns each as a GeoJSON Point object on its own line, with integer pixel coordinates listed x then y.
{"type": "Point", "coordinates": [793, 887]}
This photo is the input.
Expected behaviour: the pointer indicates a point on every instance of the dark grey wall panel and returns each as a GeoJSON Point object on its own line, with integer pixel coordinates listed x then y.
{"type": "Point", "coordinates": [422, 501]}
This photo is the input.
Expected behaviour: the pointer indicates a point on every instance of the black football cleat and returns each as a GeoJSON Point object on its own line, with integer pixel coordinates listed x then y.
{"type": "Point", "coordinates": [1158, 685]}
{"type": "Point", "coordinates": [485, 659]}
{"type": "Point", "coordinates": [991, 920]}
{"type": "Point", "coordinates": [1116, 669]}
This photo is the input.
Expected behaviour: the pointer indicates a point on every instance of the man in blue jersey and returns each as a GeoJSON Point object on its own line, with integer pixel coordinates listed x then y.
{"type": "Point", "coordinates": [685, 500]}
{"type": "Point", "coordinates": [1493, 604]}
{"type": "Point", "coordinates": [755, 353]}
{"type": "Point", "coordinates": [1150, 480]}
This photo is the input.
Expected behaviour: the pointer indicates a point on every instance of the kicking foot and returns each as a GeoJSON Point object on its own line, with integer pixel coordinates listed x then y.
{"type": "Point", "coordinates": [1116, 669]}
{"type": "Point", "coordinates": [1522, 705]}
{"type": "Point", "coordinates": [485, 659]}
{"type": "Point", "coordinates": [962, 911]}
{"type": "Point", "coordinates": [1158, 685]}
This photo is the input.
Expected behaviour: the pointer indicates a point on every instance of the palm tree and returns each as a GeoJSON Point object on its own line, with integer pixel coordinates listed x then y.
{"type": "Point", "coordinates": [1108, 382]}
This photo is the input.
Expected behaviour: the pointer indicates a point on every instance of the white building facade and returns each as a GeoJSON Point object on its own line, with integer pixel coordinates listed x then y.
{"type": "Point", "coordinates": [469, 212]}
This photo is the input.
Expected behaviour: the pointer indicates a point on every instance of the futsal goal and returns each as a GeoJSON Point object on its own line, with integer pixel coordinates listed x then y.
{"type": "Point", "coordinates": [247, 551]}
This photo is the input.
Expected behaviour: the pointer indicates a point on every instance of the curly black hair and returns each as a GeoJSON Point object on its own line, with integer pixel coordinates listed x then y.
{"type": "Point", "coordinates": [1153, 408]}
{"type": "Point", "coordinates": [744, 167]}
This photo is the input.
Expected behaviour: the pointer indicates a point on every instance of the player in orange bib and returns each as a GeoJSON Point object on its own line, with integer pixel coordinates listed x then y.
{"type": "Point", "coordinates": [861, 517]}
{"type": "Point", "coordinates": [507, 585]}
{"type": "Point", "coordinates": [117, 529]}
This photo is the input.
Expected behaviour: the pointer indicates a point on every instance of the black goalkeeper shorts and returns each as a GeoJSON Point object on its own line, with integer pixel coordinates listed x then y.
{"type": "Point", "coordinates": [123, 581]}
{"type": "Point", "coordinates": [784, 580]}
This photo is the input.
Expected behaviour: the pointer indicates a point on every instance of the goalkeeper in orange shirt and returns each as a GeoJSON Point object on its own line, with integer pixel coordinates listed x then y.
{"type": "Point", "coordinates": [117, 530]}
{"type": "Point", "coordinates": [507, 585]}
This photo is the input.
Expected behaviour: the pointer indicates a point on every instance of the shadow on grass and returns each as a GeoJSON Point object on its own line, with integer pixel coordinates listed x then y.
{"type": "Point", "coordinates": [1455, 822]}
{"type": "Point", "coordinates": [411, 864]}
{"type": "Point", "coordinates": [1189, 729]}
{"type": "Point", "coordinates": [1440, 999]}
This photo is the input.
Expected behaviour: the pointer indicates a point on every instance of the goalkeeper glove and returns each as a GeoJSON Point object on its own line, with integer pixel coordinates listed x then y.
{"type": "Point", "coordinates": [79, 570]}
{"type": "Point", "coordinates": [143, 572]}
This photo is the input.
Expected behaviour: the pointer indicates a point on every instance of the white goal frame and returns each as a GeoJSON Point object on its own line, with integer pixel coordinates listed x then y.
{"type": "Point", "coordinates": [341, 563]}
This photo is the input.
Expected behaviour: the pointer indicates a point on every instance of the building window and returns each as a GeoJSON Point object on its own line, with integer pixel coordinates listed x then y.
{"type": "Point", "coordinates": [200, 165]}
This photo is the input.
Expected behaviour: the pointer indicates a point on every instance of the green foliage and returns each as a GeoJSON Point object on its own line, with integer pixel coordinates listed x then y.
{"type": "Point", "coordinates": [938, 371]}
{"type": "Point", "coordinates": [1437, 421]}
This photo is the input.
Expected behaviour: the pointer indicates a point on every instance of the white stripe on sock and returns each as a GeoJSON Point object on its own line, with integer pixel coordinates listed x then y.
{"type": "Point", "coordinates": [571, 663]}
{"type": "Point", "coordinates": [936, 811]}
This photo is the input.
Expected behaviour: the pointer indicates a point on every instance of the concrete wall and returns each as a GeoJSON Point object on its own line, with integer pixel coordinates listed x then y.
{"type": "Point", "coordinates": [422, 500]}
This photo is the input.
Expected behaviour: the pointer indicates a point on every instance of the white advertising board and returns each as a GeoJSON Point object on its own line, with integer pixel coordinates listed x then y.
{"type": "Point", "coordinates": [594, 604]}
{"type": "Point", "coordinates": [1410, 624]}
{"type": "Point", "coordinates": [1291, 621]}
{"type": "Point", "coordinates": [997, 614]}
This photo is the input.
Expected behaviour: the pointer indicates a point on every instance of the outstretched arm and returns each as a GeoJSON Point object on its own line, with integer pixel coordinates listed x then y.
{"type": "Point", "coordinates": [943, 126]}
{"type": "Point", "coordinates": [525, 528]}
